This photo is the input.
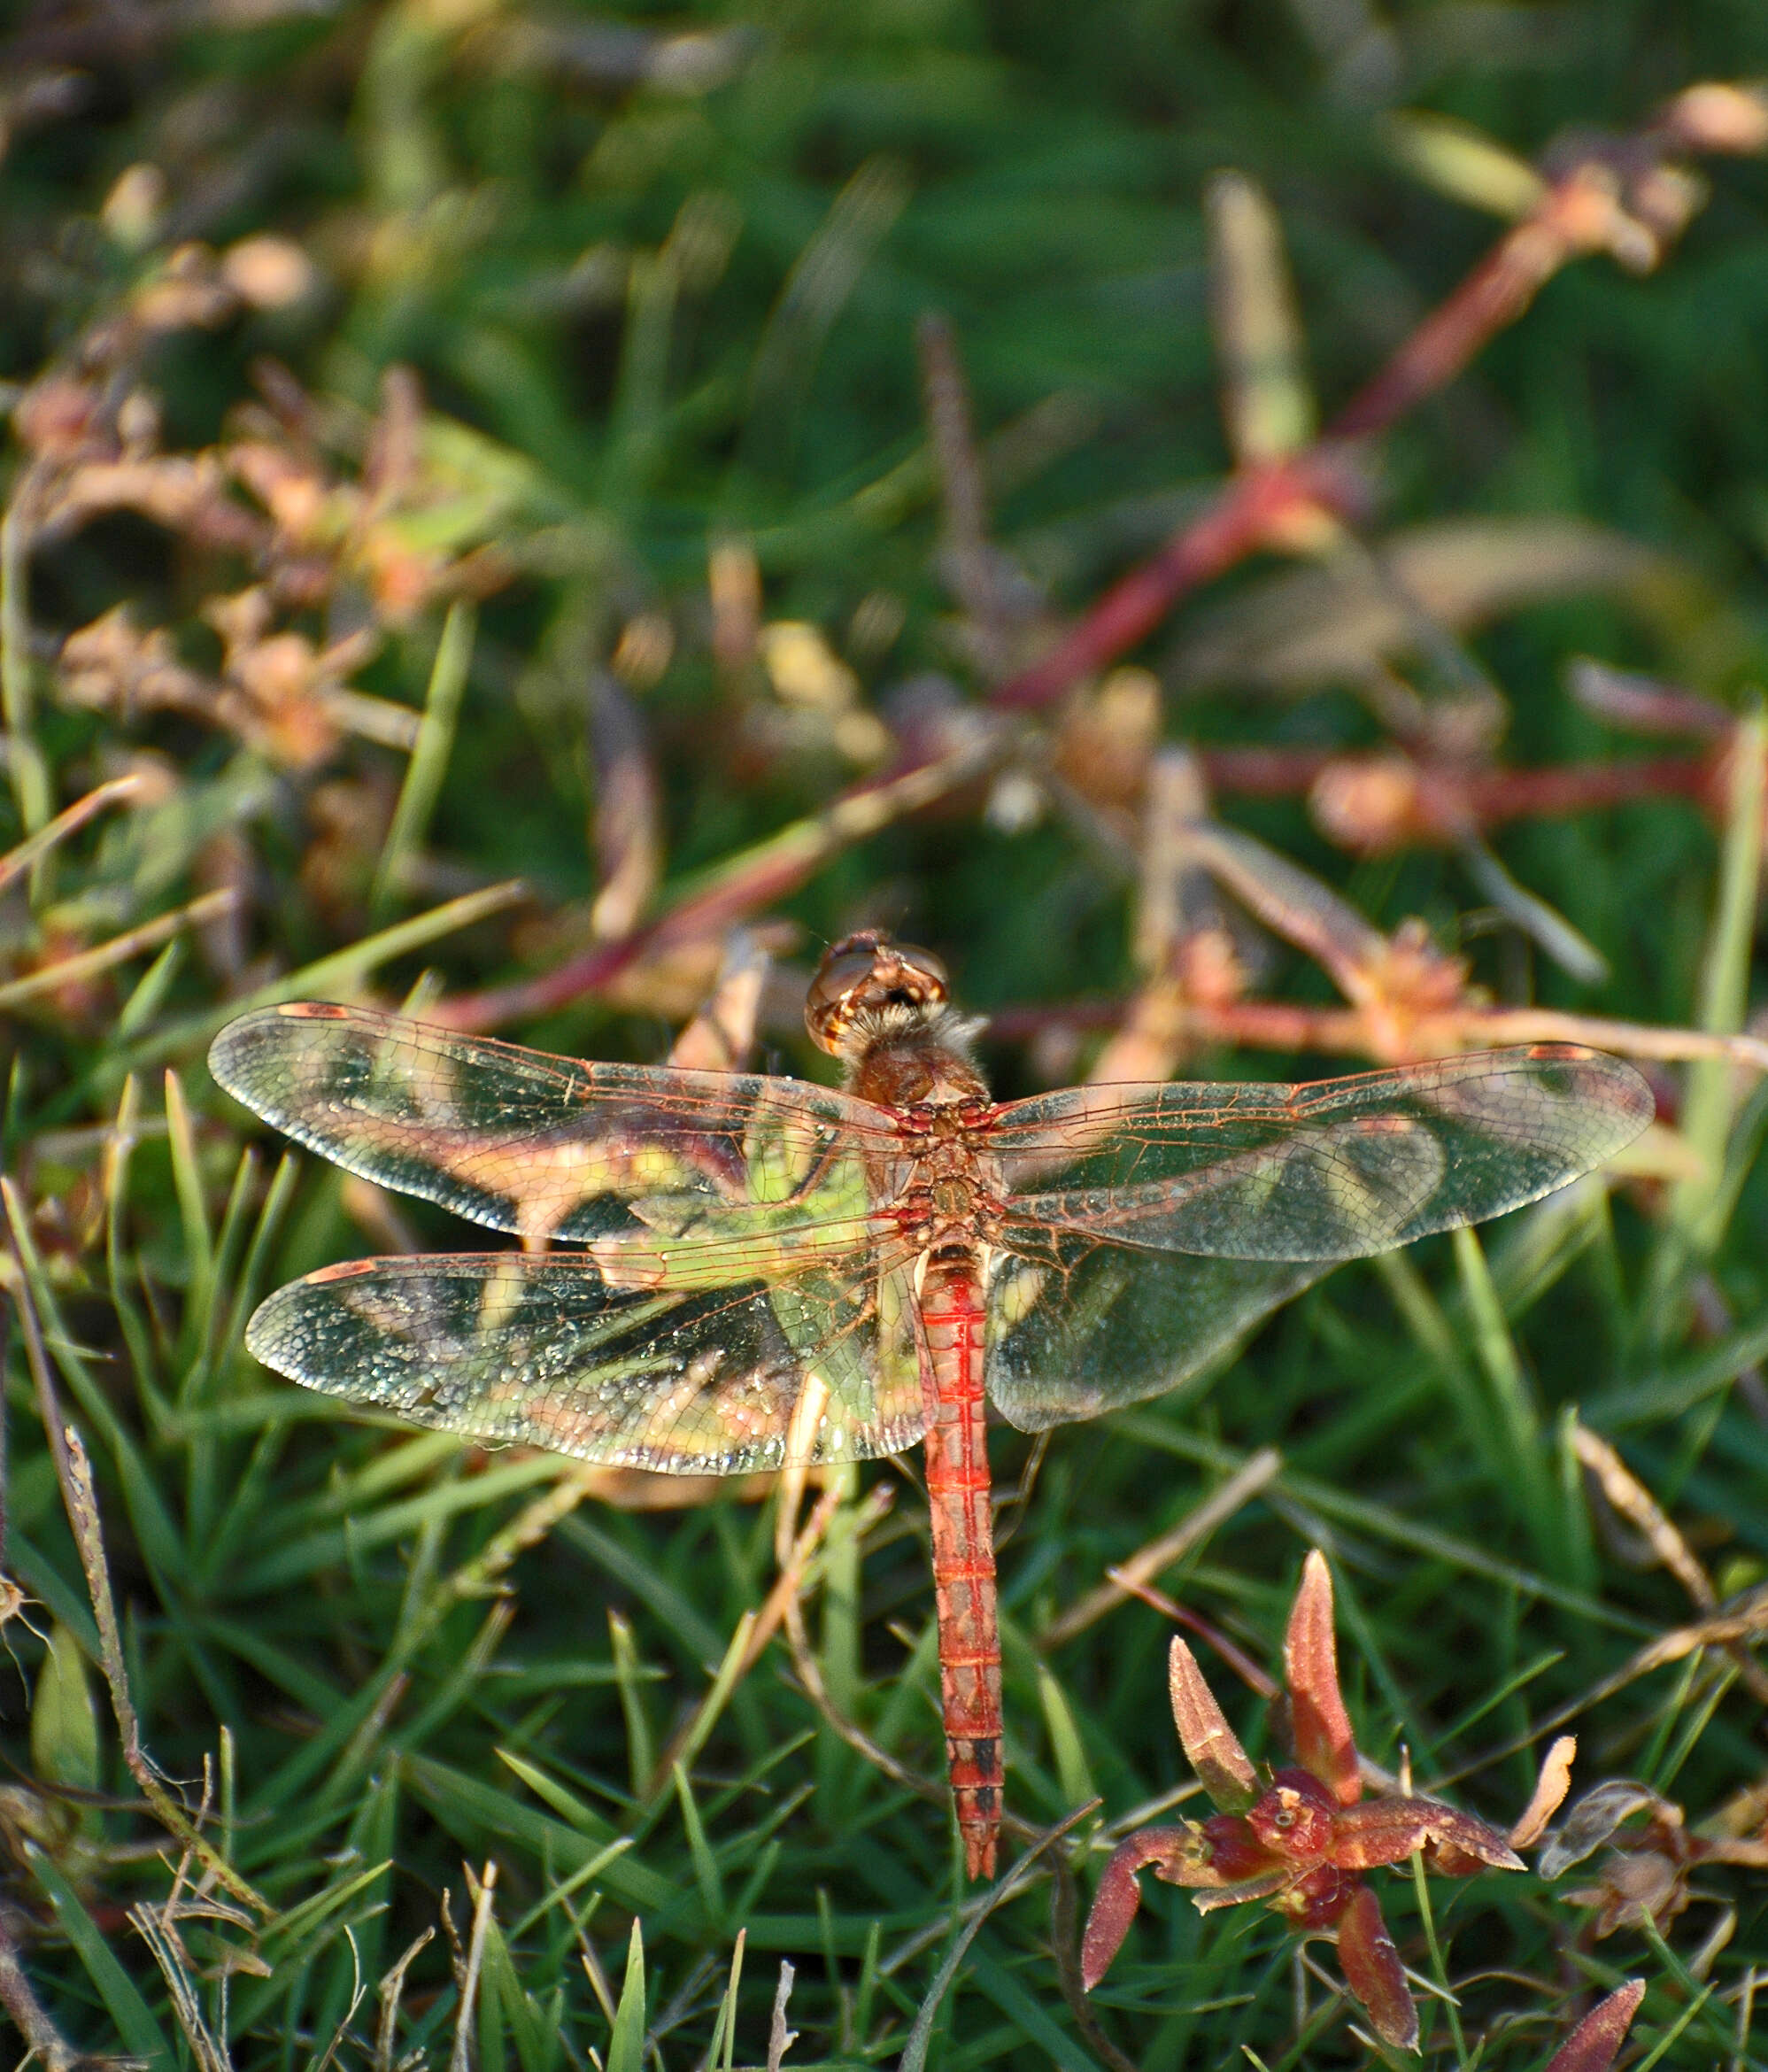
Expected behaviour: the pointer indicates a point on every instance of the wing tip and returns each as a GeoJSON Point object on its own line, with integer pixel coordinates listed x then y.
{"type": "Point", "coordinates": [262, 1341]}
{"type": "Point", "coordinates": [1620, 1094]}
{"type": "Point", "coordinates": [233, 1047]}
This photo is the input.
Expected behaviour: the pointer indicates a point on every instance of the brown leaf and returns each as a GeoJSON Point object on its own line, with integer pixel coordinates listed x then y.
{"type": "Point", "coordinates": [1374, 1973]}
{"type": "Point", "coordinates": [628, 843]}
{"type": "Point", "coordinates": [1211, 1746]}
{"type": "Point", "coordinates": [721, 1035]}
{"type": "Point", "coordinates": [1591, 2046]}
{"type": "Point", "coordinates": [1323, 1743]}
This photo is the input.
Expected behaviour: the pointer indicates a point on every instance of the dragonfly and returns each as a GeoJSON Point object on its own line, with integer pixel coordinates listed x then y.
{"type": "Point", "coordinates": [768, 1272]}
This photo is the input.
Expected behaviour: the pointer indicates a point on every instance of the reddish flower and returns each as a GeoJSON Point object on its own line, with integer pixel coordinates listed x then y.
{"type": "Point", "coordinates": [1298, 1838]}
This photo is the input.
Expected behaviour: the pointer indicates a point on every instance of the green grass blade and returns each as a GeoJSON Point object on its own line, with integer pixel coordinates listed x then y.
{"type": "Point", "coordinates": [141, 2034]}
{"type": "Point", "coordinates": [429, 757]}
{"type": "Point", "coordinates": [626, 2042]}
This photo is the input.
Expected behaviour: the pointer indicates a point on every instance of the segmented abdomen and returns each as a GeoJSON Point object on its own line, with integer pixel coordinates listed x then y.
{"type": "Point", "coordinates": [958, 1494]}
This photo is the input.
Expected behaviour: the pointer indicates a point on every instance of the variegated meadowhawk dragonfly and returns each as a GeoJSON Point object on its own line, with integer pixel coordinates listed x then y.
{"type": "Point", "coordinates": [771, 1272]}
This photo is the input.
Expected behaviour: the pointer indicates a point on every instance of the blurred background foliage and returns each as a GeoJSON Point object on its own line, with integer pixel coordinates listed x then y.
{"type": "Point", "coordinates": [457, 441]}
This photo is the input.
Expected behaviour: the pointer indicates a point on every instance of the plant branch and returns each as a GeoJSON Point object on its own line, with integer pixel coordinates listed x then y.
{"type": "Point", "coordinates": [1284, 502]}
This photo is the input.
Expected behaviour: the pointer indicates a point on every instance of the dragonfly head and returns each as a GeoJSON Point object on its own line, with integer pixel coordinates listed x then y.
{"type": "Point", "coordinates": [864, 975]}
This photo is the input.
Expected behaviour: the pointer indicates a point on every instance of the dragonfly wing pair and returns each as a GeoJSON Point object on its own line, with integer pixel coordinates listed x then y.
{"type": "Point", "coordinates": [1160, 1223]}
{"type": "Point", "coordinates": [731, 1249]}
{"type": "Point", "coordinates": [739, 1239]}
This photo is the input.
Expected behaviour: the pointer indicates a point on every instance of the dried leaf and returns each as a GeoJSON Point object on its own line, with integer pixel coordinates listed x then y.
{"type": "Point", "coordinates": [1323, 1743]}
{"type": "Point", "coordinates": [627, 838]}
{"type": "Point", "coordinates": [1458, 160]}
{"type": "Point", "coordinates": [1374, 1973]}
{"type": "Point", "coordinates": [1211, 1747]}
{"type": "Point", "coordinates": [721, 1036]}
{"type": "Point", "coordinates": [1293, 902]}
{"type": "Point", "coordinates": [780, 2039]}
{"type": "Point", "coordinates": [1591, 2046]}
{"type": "Point", "coordinates": [1593, 1822]}
{"type": "Point", "coordinates": [1635, 1502]}
{"type": "Point", "coordinates": [1265, 401]}
{"type": "Point", "coordinates": [1295, 632]}
{"type": "Point", "coordinates": [1549, 1792]}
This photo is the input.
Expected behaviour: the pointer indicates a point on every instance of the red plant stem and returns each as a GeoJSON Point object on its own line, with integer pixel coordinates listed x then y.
{"type": "Point", "coordinates": [1390, 1030]}
{"type": "Point", "coordinates": [1510, 794]}
{"type": "Point", "coordinates": [1264, 773]}
{"type": "Point", "coordinates": [756, 878]}
{"type": "Point", "coordinates": [1493, 295]}
{"type": "Point", "coordinates": [1251, 507]}
{"type": "Point", "coordinates": [1239, 519]}
{"type": "Point", "coordinates": [1487, 797]}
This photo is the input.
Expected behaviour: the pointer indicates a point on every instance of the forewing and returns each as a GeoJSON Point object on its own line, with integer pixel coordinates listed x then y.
{"type": "Point", "coordinates": [1086, 1328]}
{"type": "Point", "coordinates": [550, 1146]}
{"type": "Point", "coordinates": [1335, 1170]}
{"type": "Point", "coordinates": [692, 1378]}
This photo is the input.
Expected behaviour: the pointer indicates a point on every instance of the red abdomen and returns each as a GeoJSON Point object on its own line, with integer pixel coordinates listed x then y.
{"type": "Point", "coordinates": [958, 1495]}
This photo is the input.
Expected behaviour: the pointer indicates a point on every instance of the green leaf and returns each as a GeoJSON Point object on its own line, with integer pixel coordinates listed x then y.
{"type": "Point", "coordinates": [64, 1720]}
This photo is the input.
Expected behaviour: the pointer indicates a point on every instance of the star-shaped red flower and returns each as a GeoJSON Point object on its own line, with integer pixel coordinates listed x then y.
{"type": "Point", "coordinates": [1298, 1838]}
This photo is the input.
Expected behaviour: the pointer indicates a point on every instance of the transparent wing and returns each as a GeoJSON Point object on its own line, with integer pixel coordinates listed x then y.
{"type": "Point", "coordinates": [669, 1372]}
{"type": "Point", "coordinates": [1089, 1327]}
{"type": "Point", "coordinates": [550, 1147]}
{"type": "Point", "coordinates": [1335, 1170]}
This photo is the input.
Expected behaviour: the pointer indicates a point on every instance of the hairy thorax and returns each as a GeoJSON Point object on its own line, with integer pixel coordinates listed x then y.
{"type": "Point", "coordinates": [950, 1198]}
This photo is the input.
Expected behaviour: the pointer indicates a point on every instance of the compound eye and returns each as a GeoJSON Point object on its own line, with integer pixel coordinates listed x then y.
{"type": "Point", "coordinates": [922, 977]}
{"type": "Point", "coordinates": [839, 974]}
{"type": "Point", "coordinates": [843, 976]}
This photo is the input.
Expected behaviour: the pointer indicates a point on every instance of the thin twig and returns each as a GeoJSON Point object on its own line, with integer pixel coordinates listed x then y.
{"type": "Point", "coordinates": [1065, 1948]}
{"type": "Point", "coordinates": [765, 1623]}
{"type": "Point", "coordinates": [1444, 799]}
{"type": "Point", "coordinates": [969, 566]}
{"type": "Point", "coordinates": [76, 969]}
{"type": "Point", "coordinates": [755, 878]}
{"type": "Point", "coordinates": [1237, 1658]}
{"type": "Point", "coordinates": [29, 2016]}
{"type": "Point", "coordinates": [1275, 1024]}
{"type": "Point", "coordinates": [1047, 1840]}
{"type": "Point", "coordinates": [460, 2058]}
{"type": "Point", "coordinates": [1196, 1526]}
{"type": "Point", "coordinates": [100, 799]}
{"type": "Point", "coordinates": [1741, 1621]}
